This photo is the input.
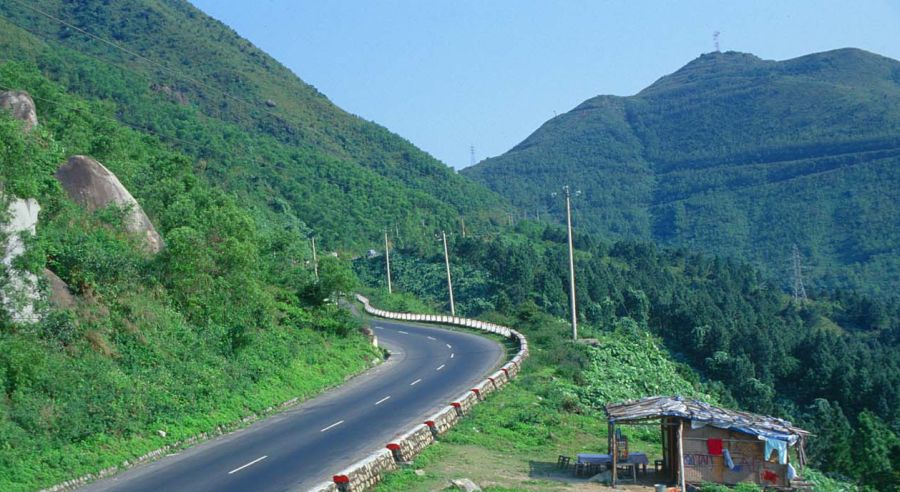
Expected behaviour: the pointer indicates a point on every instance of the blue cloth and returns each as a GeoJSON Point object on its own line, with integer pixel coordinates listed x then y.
{"type": "Point", "coordinates": [776, 445]}
{"type": "Point", "coordinates": [728, 461]}
{"type": "Point", "coordinates": [791, 472]}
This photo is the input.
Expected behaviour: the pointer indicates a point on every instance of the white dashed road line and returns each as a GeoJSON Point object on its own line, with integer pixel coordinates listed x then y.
{"type": "Point", "coordinates": [386, 398]}
{"type": "Point", "coordinates": [339, 422]}
{"type": "Point", "coordinates": [451, 355]}
{"type": "Point", "coordinates": [440, 367]}
{"type": "Point", "coordinates": [415, 382]}
{"type": "Point", "coordinates": [449, 346]}
{"type": "Point", "coordinates": [403, 332]}
{"type": "Point", "coordinates": [432, 338]}
{"type": "Point", "coordinates": [257, 460]}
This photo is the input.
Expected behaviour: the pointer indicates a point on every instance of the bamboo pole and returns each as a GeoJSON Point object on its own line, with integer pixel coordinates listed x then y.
{"type": "Point", "coordinates": [681, 478]}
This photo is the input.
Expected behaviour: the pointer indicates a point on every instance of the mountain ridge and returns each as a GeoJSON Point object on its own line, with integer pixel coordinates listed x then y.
{"type": "Point", "coordinates": [263, 132]}
{"type": "Point", "coordinates": [712, 154]}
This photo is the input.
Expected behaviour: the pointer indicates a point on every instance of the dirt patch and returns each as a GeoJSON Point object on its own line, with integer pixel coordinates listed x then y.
{"type": "Point", "coordinates": [507, 470]}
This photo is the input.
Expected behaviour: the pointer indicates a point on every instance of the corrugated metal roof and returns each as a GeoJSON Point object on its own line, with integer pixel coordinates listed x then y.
{"type": "Point", "coordinates": [700, 412]}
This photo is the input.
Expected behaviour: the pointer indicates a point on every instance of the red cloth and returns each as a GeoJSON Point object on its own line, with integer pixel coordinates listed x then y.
{"type": "Point", "coordinates": [770, 476]}
{"type": "Point", "coordinates": [714, 446]}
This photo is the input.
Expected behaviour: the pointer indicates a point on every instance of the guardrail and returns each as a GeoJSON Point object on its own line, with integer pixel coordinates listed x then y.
{"type": "Point", "coordinates": [366, 473]}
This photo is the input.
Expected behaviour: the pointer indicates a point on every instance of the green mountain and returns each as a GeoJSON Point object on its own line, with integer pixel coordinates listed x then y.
{"type": "Point", "coordinates": [251, 125]}
{"type": "Point", "coordinates": [737, 156]}
{"type": "Point", "coordinates": [235, 162]}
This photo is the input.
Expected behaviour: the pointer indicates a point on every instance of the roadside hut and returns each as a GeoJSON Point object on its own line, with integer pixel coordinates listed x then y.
{"type": "Point", "coordinates": [704, 443]}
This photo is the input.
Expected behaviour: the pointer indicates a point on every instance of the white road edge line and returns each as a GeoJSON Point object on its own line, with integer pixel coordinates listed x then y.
{"type": "Point", "coordinates": [257, 460]}
{"type": "Point", "coordinates": [440, 367]}
{"type": "Point", "coordinates": [403, 332]}
{"type": "Point", "coordinates": [415, 382]}
{"type": "Point", "coordinates": [386, 398]}
{"type": "Point", "coordinates": [339, 422]}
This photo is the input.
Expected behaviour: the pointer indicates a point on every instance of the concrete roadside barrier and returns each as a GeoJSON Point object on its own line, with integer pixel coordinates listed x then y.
{"type": "Point", "coordinates": [499, 379]}
{"type": "Point", "coordinates": [465, 402]}
{"type": "Point", "coordinates": [406, 447]}
{"type": "Point", "coordinates": [443, 420]}
{"type": "Point", "coordinates": [366, 473]}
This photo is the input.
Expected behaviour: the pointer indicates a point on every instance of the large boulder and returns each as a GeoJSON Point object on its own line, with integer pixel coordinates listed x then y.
{"type": "Point", "coordinates": [60, 296]}
{"type": "Point", "coordinates": [91, 185]}
{"type": "Point", "coordinates": [20, 104]}
{"type": "Point", "coordinates": [20, 289]}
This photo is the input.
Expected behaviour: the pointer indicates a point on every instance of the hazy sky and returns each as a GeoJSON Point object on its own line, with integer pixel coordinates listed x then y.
{"type": "Point", "coordinates": [450, 74]}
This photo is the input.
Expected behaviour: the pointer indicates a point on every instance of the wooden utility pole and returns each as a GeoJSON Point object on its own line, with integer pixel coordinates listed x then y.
{"type": "Point", "coordinates": [387, 260]}
{"type": "Point", "coordinates": [571, 264]}
{"type": "Point", "coordinates": [315, 259]}
{"type": "Point", "coordinates": [449, 281]}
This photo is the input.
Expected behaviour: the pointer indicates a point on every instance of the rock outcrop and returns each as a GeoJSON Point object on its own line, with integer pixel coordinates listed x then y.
{"type": "Point", "coordinates": [20, 291]}
{"type": "Point", "coordinates": [20, 104]}
{"type": "Point", "coordinates": [59, 294]}
{"type": "Point", "coordinates": [93, 186]}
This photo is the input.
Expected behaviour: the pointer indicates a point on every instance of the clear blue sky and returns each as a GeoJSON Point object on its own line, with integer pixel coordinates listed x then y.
{"type": "Point", "coordinates": [450, 74]}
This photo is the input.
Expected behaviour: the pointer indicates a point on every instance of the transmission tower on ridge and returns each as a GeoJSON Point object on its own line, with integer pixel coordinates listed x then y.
{"type": "Point", "coordinates": [716, 40]}
{"type": "Point", "coordinates": [799, 289]}
{"type": "Point", "coordinates": [471, 155]}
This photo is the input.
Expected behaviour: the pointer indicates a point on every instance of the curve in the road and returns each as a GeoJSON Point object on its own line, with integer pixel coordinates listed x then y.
{"type": "Point", "coordinates": [302, 446]}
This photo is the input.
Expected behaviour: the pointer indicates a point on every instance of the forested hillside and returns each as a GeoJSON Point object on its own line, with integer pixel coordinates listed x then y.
{"type": "Point", "coordinates": [832, 365]}
{"type": "Point", "coordinates": [150, 349]}
{"type": "Point", "coordinates": [735, 156]}
{"type": "Point", "coordinates": [247, 122]}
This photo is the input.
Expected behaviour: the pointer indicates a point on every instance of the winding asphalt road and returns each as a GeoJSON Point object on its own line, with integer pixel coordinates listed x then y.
{"type": "Point", "coordinates": [305, 445]}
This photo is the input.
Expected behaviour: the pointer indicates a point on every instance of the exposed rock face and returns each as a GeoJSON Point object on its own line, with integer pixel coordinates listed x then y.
{"type": "Point", "coordinates": [20, 290]}
{"type": "Point", "coordinates": [20, 104]}
{"type": "Point", "coordinates": [60, 295]}
{"type": "Point", "coordinates": [465, 484]}
{"type": "Point", "coordinates": [91, 185]}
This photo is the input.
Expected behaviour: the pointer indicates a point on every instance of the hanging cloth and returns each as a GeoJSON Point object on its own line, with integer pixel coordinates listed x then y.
{"type": "Point", "coordinates": [714, 447]}
{"type": "Point", "coordinates": [776, 445]}
{"type": "Point", "coordinates": [728, 461]}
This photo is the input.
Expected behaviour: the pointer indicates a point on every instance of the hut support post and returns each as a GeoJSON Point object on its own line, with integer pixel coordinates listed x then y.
{"type": "Point", "coordinates": [615, 454]}
{"type": "Point", "coordinates": [681, 455]}
{"type": "Point", "coordinates": [665, 445]}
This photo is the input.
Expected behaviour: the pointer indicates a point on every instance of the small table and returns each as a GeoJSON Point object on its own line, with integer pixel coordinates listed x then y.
{"type": "Point", "coordinates": [594, 459]}
{"type": "Point", "coordinates": [633, 461]}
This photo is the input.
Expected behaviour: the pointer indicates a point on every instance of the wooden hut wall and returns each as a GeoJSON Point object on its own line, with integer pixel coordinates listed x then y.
{"type": "Point", "coordinates": [746, 451]}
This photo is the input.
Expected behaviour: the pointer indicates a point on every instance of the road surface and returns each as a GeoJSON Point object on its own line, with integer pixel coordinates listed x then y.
{"type": "Point", "coordinates": [307, 444]}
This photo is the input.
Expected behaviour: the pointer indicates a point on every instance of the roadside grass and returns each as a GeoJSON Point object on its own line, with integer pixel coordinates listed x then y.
{"type": "Point", "coordinates": [512, 441]}
{"type": "Point", "coordinates": [319, 361]}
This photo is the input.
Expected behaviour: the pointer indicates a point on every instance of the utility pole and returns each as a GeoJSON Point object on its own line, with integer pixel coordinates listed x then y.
{"type": "Point", "coordinates": [571, 264]}
{"type": "Point", "coordinates": [387, 260]}
{"type": "Point", "coordinates": [315, 260]}
{"type": "Point", "coordinates": [449, 281]}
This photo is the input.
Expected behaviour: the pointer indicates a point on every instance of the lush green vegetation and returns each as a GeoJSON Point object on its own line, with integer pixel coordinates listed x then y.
{"type": "Point", "coordinates": [225, 322]}
{"type": "Point", "coordinates": [246, 122]}
{"type": "Point", "coordinates": [237, 162]}
{"type": "Point", "coordinates": [734, 156]}
{"type": "Point", "coordinates": [831, 365]}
